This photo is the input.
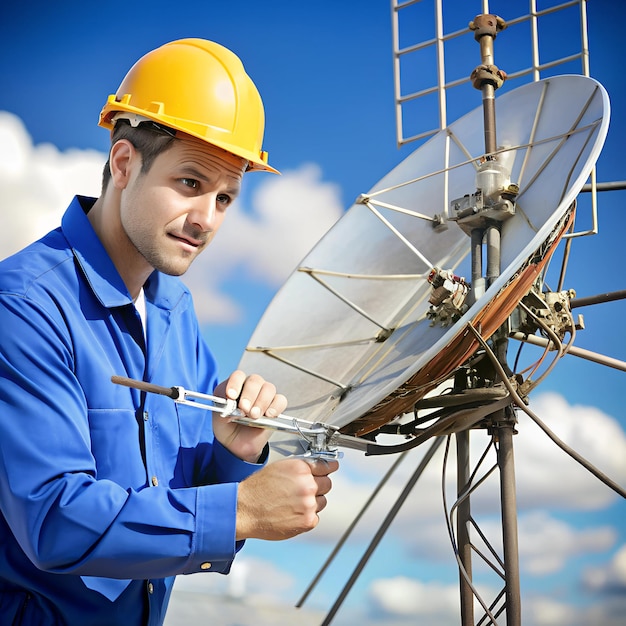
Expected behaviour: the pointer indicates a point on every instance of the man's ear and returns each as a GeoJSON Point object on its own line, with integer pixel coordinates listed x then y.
{"type": "Point", "coordinates": [121, 159]}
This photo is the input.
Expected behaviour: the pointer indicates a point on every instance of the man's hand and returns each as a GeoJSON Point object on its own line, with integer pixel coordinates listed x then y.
{"type": "Point", "coordinates": [283, 499]}
{"type": "Point", "coordinates": [256, 398]}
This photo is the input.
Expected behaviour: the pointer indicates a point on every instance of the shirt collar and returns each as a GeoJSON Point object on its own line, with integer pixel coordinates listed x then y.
{"type": "Point", "coordinates": [101, 273]}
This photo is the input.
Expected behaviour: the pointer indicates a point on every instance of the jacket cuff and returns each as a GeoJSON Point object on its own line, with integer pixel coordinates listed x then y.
{"type": "Point", "coordinates": [231, 468]}
{"type": "Point", "coordinates": [214, 548]}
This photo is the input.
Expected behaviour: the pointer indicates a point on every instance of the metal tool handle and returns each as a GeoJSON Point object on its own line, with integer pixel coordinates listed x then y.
{"type": "Point", "coordinates": [170, 392]}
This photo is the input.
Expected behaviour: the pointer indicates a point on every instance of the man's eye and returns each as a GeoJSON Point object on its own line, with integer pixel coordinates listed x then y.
{"type": "Point", "coordinates": [223, 198]}
{"type": "Point", "coordinates": [190, 182]}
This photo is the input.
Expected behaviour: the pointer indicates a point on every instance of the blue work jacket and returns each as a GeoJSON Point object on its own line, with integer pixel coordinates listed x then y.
{"type": "Point", "coordinates": [106, 493]}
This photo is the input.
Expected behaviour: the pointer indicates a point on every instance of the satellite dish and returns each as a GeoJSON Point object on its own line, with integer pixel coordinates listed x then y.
{"type": "Point", "coordinates": [351, 338]}
{"type": "Point", "coordinates": [381, 313]}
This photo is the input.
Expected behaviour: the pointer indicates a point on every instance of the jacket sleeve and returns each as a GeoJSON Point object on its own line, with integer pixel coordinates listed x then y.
{"type": "Point", "coordinates": [63, 516]}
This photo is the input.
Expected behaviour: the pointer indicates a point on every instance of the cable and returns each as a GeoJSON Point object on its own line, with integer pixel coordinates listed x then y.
{"type": "Point", "coordinates": [450, 527]}
{"type": "Point", "coordinates": [561, 444]}
{"type": "Point", "coordinates": [561, 349]}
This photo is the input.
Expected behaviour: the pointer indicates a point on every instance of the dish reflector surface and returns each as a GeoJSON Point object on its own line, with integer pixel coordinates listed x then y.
{"type": "Point", "coordinates": [347, 338]}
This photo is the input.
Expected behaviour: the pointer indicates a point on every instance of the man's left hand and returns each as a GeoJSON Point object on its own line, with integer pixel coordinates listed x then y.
{"type": "Point", "coordinates": [255, 398]}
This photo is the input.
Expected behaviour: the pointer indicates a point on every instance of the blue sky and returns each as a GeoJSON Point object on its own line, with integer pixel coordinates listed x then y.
{"type": "Point", "coordinates": [324, 71]}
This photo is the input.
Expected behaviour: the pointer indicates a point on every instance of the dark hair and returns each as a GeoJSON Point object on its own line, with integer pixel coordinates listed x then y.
{"type": "Point", "coordinates": [149, 139]}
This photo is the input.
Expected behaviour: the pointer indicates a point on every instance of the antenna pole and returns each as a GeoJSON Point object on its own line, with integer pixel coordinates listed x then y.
{"type": "Point", "coordinates": [487, 77]}
{"type": "Point", "coordinates": [503, 432]}
{"type": "Point", "coordinates": [501, 424]}
{"type": "Point", "coordinates": [464, 543]}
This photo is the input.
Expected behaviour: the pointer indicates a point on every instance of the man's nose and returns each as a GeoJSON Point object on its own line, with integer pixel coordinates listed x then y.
{"type": "Point", "coordinates": [203, 212]}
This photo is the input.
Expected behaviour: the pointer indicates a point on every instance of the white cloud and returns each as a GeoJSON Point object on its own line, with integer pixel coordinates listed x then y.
{"type": "Point", "coordinates": [546, 543]}
{"type": "Point", "coordinates": [243, 581]}
{"type": "Point", "coordinates": [611, 578]}
{"type": "Point", "coordinates": [546, 611]}
{"type": "Point", "coordinates": [289, 213]}
{"type": "Point", "coordinates": [403, 600]}
{"type": "Point", "coordinates": [549, 477]}
{"type": "Point", "coordinates": [550, 611]}
{"type": "Point", "coordinates": [406, 597]}
{"type": "Point", "coordinates": [38, 182]}
{"type": "Point", "coordinates": [256, 592]}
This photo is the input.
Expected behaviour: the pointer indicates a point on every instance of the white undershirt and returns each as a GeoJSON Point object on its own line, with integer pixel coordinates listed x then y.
{"type": "Point", "coordinates": [140, 305]}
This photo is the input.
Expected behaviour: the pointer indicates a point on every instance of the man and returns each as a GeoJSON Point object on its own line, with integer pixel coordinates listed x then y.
{"type": "Point", "coordinates": [107, 493]}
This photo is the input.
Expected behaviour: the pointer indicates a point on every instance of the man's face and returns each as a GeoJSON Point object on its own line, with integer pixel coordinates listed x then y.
{"type": "Point", "coordinates": [171, 213]}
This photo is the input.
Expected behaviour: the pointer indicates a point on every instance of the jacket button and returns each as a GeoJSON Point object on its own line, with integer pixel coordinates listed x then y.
{"type": "Point", "coordinates": [150, 588]}
{"type": "Point", "coordinates": [155, 481]}
{"type": "Point", "coordinates": [205, 566]}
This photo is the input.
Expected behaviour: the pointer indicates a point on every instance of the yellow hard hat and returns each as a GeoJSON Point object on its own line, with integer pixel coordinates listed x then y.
{"type": "Point", "coordinates": [200, 88]}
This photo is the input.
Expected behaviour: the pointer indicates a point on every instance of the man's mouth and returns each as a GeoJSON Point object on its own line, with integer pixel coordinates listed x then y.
{"type": "Point", "coordinates": [190, 241]}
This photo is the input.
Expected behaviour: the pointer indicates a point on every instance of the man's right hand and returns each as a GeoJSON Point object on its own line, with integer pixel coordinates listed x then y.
{"type": "Point", "coordinates": [282, 500]}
